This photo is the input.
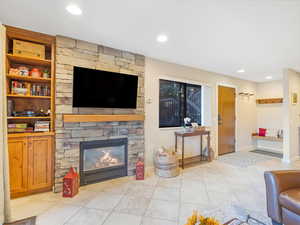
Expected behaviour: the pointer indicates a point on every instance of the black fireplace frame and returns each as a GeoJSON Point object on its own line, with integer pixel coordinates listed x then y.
{"type": "Point", "coordinates": [94, 176]}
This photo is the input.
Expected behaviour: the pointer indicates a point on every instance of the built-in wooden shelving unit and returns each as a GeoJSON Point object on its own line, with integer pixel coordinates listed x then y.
{"type": "Point", "coordinates": [31, 155]}
{"type": "Point", "coordinates": [269, 101]}
{"type": "Point", "coordinates": [73, 118]}
{"type": "Point", "coordinates": [28, 101]}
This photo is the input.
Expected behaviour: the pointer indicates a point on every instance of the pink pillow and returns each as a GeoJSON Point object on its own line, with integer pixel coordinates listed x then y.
{"type": "Point", "coordinates": [262, 132]}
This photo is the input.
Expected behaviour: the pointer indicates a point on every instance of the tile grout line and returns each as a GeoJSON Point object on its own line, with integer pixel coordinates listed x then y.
{"type": "Point", "coordinates": [73, 214]}
{"type": "Point", "coordinates": [151, 198]}
{"type": "Point", "coordinates": [180, 189]}
{"type": "Point", "coordinates": [113, 209]}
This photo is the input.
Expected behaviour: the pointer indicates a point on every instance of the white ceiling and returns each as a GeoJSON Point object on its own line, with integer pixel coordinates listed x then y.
{"type": "Point", "coordinates": [260, 36]}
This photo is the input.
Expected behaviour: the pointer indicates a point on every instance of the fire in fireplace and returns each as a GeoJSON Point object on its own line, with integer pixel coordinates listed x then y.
{"type": "Point", "coordinates": [102, 160]}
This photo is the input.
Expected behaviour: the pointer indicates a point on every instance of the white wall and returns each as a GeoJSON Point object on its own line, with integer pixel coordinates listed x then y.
{"type": "Point", "coordinates": [291, 123]}
{"type": "Point", "coordinates": [4, 167]}
{"type": "Point", "coordinates": [270, 116]}
{"type": "Point", "coordinates": [156, 137]}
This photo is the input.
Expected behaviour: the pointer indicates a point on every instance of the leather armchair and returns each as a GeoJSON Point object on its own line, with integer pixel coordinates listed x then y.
{"type": "Point", "coordinates": [283, 196]}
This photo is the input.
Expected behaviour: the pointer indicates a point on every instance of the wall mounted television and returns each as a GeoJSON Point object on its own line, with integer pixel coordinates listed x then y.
{"type": "Point", "coordinates": [103, 89]}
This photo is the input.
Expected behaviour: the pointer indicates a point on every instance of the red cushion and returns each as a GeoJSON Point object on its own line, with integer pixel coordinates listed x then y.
{"type": "Point", "coordinates": [262, 132]}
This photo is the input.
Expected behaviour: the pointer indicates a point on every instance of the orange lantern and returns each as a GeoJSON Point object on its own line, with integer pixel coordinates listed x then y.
{"type": "Point", "coordinates": [70, 184]}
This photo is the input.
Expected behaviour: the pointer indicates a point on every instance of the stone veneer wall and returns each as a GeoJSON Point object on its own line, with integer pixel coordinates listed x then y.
{"type": "Point", "coordinates": [70, 53]}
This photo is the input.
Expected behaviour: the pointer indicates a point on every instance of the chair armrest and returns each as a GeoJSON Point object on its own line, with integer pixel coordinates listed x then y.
{"type": "Point", "coordinates": [277, 182]}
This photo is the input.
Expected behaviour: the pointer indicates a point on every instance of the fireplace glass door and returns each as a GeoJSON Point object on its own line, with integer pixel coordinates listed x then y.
{"type": "Point", "coordinates": [99, 158]}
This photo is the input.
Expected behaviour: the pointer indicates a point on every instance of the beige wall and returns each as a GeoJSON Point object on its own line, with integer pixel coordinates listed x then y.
{"type": "Point", "coordinates": [155, 137]}
{"type": "Point", "coordinates": [291, 123]}
{"type": "Point", "coordinates": [4, 173]}
{"type": "Point", "coordinates": [270, 116]}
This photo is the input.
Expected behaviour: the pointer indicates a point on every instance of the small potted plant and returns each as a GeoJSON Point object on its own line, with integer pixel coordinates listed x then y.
{"type": "Point", "coordinates": [187, 124]}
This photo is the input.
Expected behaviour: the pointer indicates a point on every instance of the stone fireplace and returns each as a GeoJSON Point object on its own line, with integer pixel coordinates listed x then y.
{"type": "Point", "coordinates": [102, 160]}
{"type": "Point", "coordinates": [71, 136]}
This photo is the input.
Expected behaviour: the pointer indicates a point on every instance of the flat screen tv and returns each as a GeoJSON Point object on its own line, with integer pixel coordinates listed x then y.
{"type": "Point", "coordinates": [102, 89]}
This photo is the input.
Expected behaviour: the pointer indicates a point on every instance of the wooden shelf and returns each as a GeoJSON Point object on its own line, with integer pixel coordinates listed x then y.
{"type": "Point", "coordinates": [27, 117]}
{"type": "Point", "coordinates": [269, 101]}
{"type": "Point", "coordinates": [267, 138]}
{"type": "Point", "coordinates": [28, 78]}
{"type": "Point", "coordinates": [74, 118]}
{"type": "Point", "coordinates": [28, 96]}
{"type": "Point", "coordinates": [28, 61]}
{"type": "Point", "coordinates": [30, 134]}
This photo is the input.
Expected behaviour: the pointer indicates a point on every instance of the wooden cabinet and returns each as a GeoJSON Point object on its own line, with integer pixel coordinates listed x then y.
{"type": "Point", "coordinates": [39, 162]}
{"type": "Point", "coordinates": [18, 164]}
{"type": "Point", "coordinates": [31, 164]}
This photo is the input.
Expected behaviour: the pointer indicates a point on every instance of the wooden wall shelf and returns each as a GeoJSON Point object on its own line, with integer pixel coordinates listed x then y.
{"type": "Point", "coordinates": [27, 117]}
{"type": "Point", "coordinates": [267, 138]}
{"type": "Point", "coordinates": [74, 118]}
{"type": "Point", "coordinates": [28, 78]}
{"type": "Point", "coordinates": [29, 61]}
{"type": "Point", "coordinates": [269, 101]}
{"type": "Point", "coordinates": [30, 134]}
{"type": "Point", "coordinates": [28, 96]}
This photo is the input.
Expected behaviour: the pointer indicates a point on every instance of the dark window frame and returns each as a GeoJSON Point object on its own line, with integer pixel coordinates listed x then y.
{"type": "Point", "coordinates": [182, 103]}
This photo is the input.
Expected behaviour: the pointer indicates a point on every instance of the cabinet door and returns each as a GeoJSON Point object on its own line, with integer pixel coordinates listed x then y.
{"type": "Point", "coordinates": [40, 160]}
{"type": "Point", "coordinates": [18, 164]}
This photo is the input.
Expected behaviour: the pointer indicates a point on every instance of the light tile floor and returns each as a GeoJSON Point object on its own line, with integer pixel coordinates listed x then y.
{"type": "Point", "coordinates": [216, 189]}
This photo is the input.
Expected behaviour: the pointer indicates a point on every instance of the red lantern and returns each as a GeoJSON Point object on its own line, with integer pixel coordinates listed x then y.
{"type": "Point", "coordinates": [139, 172]}
{"type": "Point", "coordinates": [70, 184]}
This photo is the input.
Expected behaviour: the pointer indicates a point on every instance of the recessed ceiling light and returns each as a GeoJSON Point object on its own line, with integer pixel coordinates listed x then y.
{"type": "Point", "coordinates": [162, 38]}
{"type": "Point", "coordinates": [74, 9]}
{"type": "Point", "coordinates": [241, 71]}
{"type": "Point", "coordinates": [268, 77]}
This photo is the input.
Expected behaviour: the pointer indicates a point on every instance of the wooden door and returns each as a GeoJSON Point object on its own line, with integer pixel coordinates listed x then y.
{"type": "Point", "coordinates": [40, 163]}
{"type": "Point", "coordinates": [18, 165]}
{"type": "Point", "coordinates": [226, 120]}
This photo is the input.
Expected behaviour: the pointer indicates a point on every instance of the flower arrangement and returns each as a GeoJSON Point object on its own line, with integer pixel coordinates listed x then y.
{"type": "Point", "coordinates": [187, 121]}
{"type": "Point", "coordinates": [197, 219]}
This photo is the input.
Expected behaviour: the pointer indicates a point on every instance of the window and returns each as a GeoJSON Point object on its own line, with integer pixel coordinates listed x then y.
{"type": "Point", "coordinates": [178, 100]}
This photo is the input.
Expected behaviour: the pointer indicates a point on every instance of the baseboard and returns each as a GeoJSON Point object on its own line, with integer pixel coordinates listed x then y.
{"type": "Point", "coordinates": [246, 148]}
{"type": "Point", "coordinates": [288, 161]}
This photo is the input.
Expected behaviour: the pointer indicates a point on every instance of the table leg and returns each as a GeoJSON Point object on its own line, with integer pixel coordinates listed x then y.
{"type": "Point", "coordinates": [201, 148]}
{"type": "Point", "coordinates": [182, 152]}
{"type": "Point", "coordinates": [208, 148]}
{"type": "Point", "coordinates": [175, 143]}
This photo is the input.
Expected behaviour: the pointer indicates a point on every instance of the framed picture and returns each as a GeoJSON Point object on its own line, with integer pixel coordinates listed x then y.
{"type": "Point", "coordinates": [294, 98]}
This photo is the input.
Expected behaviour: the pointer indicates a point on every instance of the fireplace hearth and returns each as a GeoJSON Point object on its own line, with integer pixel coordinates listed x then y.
{"type": "Point", "coordinates": [102, 160]}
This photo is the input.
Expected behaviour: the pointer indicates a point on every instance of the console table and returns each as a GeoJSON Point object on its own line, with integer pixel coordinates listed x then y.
{"type": "Point", "coordinates": [200, 133]}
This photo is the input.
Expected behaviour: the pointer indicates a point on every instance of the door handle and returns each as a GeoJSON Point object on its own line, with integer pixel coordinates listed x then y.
{"type": "Point", "coordinates": [219, 120]}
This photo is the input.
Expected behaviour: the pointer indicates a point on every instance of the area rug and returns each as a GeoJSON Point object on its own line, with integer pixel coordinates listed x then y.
{"type": "Point", "coordinates": [28, 221]}
{"type": "Point", "coordinates": [244, 159]}
{"type": "Point", "coordinates": [227, 212]}
{"type": "Point", "coordinates": [273, 154]}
